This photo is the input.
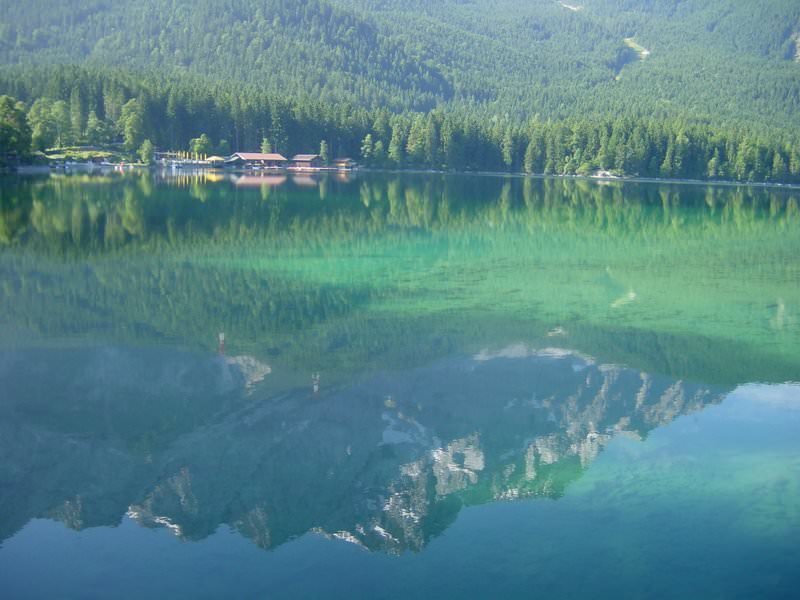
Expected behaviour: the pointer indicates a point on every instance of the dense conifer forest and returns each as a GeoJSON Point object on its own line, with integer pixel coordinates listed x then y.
{"type": "Point", "coordinates": [654, 88]}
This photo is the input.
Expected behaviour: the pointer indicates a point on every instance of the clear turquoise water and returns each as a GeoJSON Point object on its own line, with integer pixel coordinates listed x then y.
{"type": "Point", "coordinates": [430, 386]}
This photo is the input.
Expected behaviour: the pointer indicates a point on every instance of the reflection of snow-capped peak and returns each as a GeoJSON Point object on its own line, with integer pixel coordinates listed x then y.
{"type": "Point", "coordinates": [343, 535]}
{"type": "Point", "coordinates": [524, 425]}
{"type": "Point", "coordinates": [253, 370]}
{"type": "Point", "coordinates": [513, 351]}
{"type": "Point", "coordinates": [142, 517]}
{"type": "Point", "coordinates": [522, 350]}
{"type": "Point", "coordinates": [457, 465]}
{"type": "Point", "coordinates": [383, 533]}
{"type": "Point", "coordinates": [167, 522]}
{"type": "Point", "coordinates": [348, 537]}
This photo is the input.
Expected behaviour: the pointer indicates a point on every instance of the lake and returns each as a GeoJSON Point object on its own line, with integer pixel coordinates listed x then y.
{"type": "Point", "coordinates": [397, 386]}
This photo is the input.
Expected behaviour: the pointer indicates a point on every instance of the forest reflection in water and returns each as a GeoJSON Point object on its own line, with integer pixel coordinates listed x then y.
{"type": "Point", "coordinates": [685, 280]}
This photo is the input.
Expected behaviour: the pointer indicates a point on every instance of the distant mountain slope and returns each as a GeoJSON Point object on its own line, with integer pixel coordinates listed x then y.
{"type": "Point", "coordinates": [309, 47]}
{"type": "Point", "coordinates": [715, 59]}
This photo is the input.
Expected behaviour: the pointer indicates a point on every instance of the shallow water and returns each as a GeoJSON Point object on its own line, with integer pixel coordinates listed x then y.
{"type": "Point", "coordinates": [397, 386]}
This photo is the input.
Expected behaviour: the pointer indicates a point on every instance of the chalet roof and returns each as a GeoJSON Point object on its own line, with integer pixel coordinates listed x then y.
{"type": "Point", "coordinates": [257, 156]}
{"type": "Point", "coordinates": [305, 157]}
{"type": "Point", "coordinates": [342, 160]}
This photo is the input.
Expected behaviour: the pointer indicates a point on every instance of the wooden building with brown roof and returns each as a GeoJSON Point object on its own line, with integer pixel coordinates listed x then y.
{"type": "Point", "coordinates": [252, 160]}
{"type": "Point", "coordinates": [344, 164]}
{"type": "Point", "coordinates": [307, 161]}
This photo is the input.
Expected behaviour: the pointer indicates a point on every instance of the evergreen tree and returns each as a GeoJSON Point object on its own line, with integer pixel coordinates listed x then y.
{"type": "Point", "coordinates": [431, 143]}
{"type": "Point", "coordinates": [741, 167]}
{"type": "Point", "coordinates": [778, 167]}
{"type": "Point", "coordinates": [794, 161]}
{"type": "Point", "coordinates": [277, 130]}
{"type": "Point", "coordinates": [713, 166]}
{"type": "Point", "coordinates": [395, 151]}
{"type": "Point", "coordinates": [507, 148]}
{"type": "Point", "coordinates": [378, 154]}
{"type": "Point", "coordinates": [76, 113]}
{"type": "Point", "coordinates": [415, 146]}
{"type": "Point", "coordinates": [323, 152]}
{"type": "Point", "coordinates": [132, 122]}
{"type": "Point", "coordinates": [452, 147]}
{"type": "Point", "coordinates": [529, 161]}
{"type": "Point", "coordinates": [173, 118]}
{"type": "Point", "coordinates": [94, 129]}
{"type": "Point", "coordinates": [667, 168]}
{"type": "Point", "coordinates": [367, 148]}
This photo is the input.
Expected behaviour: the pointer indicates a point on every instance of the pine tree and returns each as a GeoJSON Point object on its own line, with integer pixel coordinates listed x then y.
{"type": "Point", "coordinates": [378, 154]}
{"type": "Point", "coordinates": [778, 167]}
{"type": "Point", "coordinates": [681, 155]}
{"type": "Point", "coordinates": [396, 145]}
{"type": "Point", "coordinates": [76, 113]}
{"type": "Point", "coordinates": [415, 146]}
{"type": "Point", "coordinates": [741, 167]}
{"type": "Point", "coordinates": [132, 121]}
{"type": "Point", "coordinates": [367, 148]}
{"type": "Point", "coordinates": [529, 162]}
{"type": "Point", "coordinates": [794, 161]}
{"type": "Point", "coordinates": [667, 168]}
{"type": "Point", "coordinates": [277, 130]}
{"type": "Point", "coordinates": [431, 143]}
{"type": "Point", "coordinates": [323, 152]}
{"type": "Point", "coordinates": [94, 129]}
{"type": "Point", "coordinates": [507, 148]}
{"type": "Point", "coordinates": [713, 166]}
{"type": "Point", "coordinates": [172, 116]}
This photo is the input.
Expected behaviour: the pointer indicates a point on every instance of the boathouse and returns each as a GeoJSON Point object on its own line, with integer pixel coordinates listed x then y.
{"type": "Point", "coordinates": [251, 160]}
{"type": "Point", "coordinates": [344, 164]}
{"type": "Point", "coordinates": [307, 161]}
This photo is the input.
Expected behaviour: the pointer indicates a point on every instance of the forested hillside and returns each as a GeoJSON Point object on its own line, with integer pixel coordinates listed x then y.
{"type": "Point", "coordinates": [731, 59]}
{"type": "Point", "coordinates": [676, 88]}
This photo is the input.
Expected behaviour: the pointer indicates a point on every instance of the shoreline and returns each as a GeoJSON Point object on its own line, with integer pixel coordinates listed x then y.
{"type": "Point", "coordinates": [42, 170]}
{"type": "Point", "coordinates": [600, 180]}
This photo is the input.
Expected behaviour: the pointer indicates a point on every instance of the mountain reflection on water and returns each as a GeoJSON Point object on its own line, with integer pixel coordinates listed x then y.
{"type": "Point", "coordinates": [395, 347]}
{"type": "Point", "coordinates": [173, 439]}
